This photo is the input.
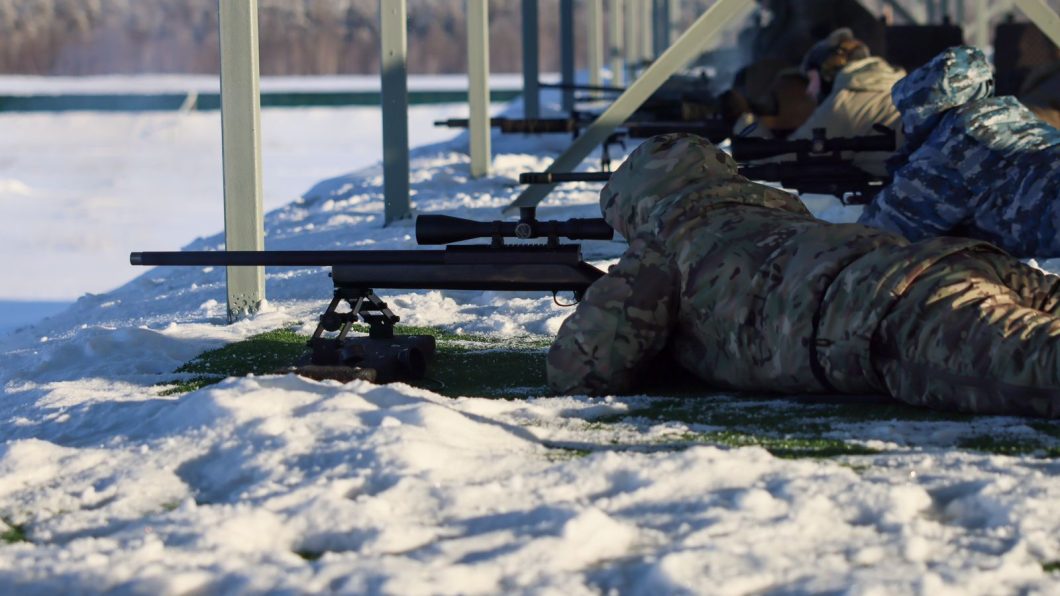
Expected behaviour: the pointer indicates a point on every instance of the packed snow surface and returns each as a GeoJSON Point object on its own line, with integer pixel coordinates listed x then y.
{"type": "Point", "coordinates": [277, 483]}
{"type": "Point", "coordinates": [84, 189]}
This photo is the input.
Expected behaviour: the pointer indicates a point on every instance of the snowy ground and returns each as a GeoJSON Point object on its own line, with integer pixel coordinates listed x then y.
{"type": "Point", "coordinates": [281, 483]}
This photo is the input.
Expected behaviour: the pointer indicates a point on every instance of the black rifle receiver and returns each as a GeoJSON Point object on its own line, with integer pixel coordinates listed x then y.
{"type": "Point", "coordinates": [524, 125]}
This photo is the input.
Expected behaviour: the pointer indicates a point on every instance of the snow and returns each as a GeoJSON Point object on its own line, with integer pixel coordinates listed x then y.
{"type": "Point", "coordinates": [400, 490]}
{"type": "Point", "coordinates": [130, 180]}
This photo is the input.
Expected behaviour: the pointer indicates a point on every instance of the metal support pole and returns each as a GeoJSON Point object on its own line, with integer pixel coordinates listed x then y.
{"type": "Point", "coordinates": [393, 24]}
{"type": "Point", "coordinates": [478, 93]}
{"type": "Point", "coordinates": [531, 61]}
{"type": "Point", "coordinates": [675, 21]}
{"type": "Point", "coordinates": [646, 32]}
{"type": "Point", "coordinates": [690, 45]}
{"type": "Point", "coordinates": [566, 51]}
{"type": "Point", "coordinates": [632, 37]}
{"type": "Point", "coordinates": [616, 34]}
{"type": "Point", "coordinates": [661, 29]}
{"type": "Point", "coordinates": [241, 151]}
{"type": "Point", "coordinates": [982, 24]}
{"type": "Point", "coordinates": [1043, 16]}
{"type": "Point", "coordinates": [595, 14]}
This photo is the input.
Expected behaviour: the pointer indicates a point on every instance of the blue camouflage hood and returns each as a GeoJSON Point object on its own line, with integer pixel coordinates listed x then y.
{"type": "Point", "coordinates": [955, 77]}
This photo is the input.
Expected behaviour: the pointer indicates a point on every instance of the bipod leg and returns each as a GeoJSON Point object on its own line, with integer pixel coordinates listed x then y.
{"type": "Point", "coordinates": [327, 350]}
{"type": "Point", "coordinates": [381, 357]}
{"type": "Point", "coordinates": [373, 311]}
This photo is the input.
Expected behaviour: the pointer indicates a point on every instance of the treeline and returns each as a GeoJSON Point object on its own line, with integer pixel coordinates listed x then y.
{"type": "Point", "coordinates": [298, 37]}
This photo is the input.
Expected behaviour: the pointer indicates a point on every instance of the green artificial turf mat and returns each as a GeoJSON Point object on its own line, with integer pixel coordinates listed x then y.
{"type": "Point", "coordinates": [514, 368]}
{"type": "Point", "coordinates": [14, 533]}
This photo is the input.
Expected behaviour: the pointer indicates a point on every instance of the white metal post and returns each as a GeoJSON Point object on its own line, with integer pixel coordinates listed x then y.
{"type": "Point", "coordinates": [393, 19]}
{"type": "Point", "coordinates": [647, 53]}
{"type": "Point", "coordinates": [616, 33]}
{"type": "Point", "coordinates": [982, 24]}
{"type": "Point", "coordinates": [675, 21]}
{"type": "Point", "coordinates": [241, 151]}
{"type": "Point", "coordinates": [478, 94]}
{"type": "Point", "coordinates": [691, 44]}
{"type": "Point", "coordinates": [595, 16]}
{"type": "Point", "coordinates": [531, 61]}
{"type": "Point", "coordinates": [631, 47]}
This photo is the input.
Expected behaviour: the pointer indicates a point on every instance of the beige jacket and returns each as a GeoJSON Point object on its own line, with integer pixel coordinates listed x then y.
{"type": "Point", "coordinates": [860, 98]}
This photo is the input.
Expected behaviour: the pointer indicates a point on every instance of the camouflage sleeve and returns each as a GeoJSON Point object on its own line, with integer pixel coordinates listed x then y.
{"type": "Point", "coordinates": [925, 199]}
{"type": "Point", "coordinates": [1037, 289]}
{"type": "Point", "coordinates": [623, 321]}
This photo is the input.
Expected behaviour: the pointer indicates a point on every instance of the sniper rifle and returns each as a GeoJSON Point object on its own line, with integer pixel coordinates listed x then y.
{"type": "Point", "coordinates": [384, 356]}
{"type": "Point", "coordinates": [818, 166]}
{"type": "Point", "coordinates": [715, 129]}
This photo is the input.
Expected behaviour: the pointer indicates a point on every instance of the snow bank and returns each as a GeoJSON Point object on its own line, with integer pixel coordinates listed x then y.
{"type": "Point", "coordinates": [278, 483]}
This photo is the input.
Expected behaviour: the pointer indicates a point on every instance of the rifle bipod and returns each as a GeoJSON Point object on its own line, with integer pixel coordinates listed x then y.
{"type": "Point", "coordinates": [381, 357]}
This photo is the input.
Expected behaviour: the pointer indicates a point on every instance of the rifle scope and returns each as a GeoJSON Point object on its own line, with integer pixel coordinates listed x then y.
{"type": "Point", "coordinates": [444, 229]}
{"type": "Point", "coordinates": [750, 149]}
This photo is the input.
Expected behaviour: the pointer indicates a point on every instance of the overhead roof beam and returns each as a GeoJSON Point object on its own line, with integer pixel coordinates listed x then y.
{"type": "Point", "coordinates": [1043, 16]}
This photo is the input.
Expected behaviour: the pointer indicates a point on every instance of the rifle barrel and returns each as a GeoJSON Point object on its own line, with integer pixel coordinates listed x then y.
{"type": "Point", "coordinates": [555, 177]}
{"type": "Point", "coordinates": [284, 258]}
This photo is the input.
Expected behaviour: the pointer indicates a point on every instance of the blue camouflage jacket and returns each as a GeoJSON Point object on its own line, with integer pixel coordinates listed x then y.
{"type": "Point", "coordinates": [972, 164]}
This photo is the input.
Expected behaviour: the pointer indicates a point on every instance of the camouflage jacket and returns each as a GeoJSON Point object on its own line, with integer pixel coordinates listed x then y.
{"type": "Point", "coordinates": [972, 164]}
{"type": "Point", "coordinates": [749, 289]}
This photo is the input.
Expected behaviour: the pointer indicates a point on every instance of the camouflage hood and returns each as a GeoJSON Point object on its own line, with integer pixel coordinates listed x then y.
{"type": "Point", "coordinates": [953, 78]}
{"type": "Point", "coordinates": [670, 169]}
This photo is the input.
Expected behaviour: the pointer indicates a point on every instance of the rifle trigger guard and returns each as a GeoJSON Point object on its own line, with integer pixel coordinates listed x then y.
{"type": "Point", "coordinates": [577, 299]}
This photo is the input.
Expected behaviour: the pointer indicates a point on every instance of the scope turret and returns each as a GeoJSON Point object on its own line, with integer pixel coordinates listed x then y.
{"type": "Point", "coordinates": [445, 229]}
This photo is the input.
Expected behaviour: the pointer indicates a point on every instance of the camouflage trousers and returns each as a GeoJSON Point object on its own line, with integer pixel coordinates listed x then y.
{"type": "Point", "coordinates": [976, 332]}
